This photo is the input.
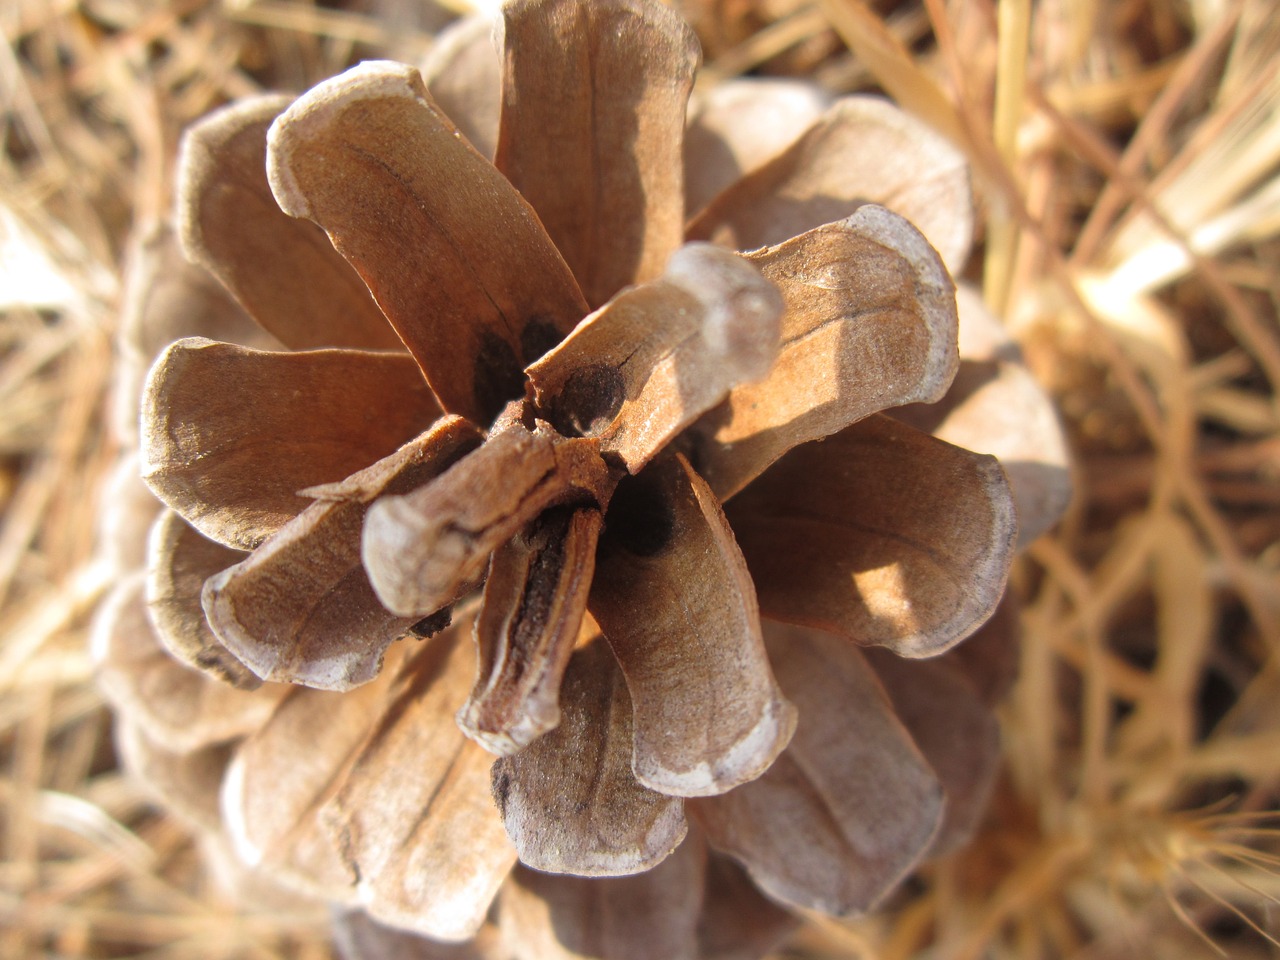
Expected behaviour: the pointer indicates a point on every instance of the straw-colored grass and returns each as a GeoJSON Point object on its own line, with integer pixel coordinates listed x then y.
{"type": "Point", "coordinates": [1127, 158]}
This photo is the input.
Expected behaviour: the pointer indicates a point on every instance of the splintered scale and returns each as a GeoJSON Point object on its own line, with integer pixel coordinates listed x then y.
{"type": "Point", "coordinates": [525, 510]}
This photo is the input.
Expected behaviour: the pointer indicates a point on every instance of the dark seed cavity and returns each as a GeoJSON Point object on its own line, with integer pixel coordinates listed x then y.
{"type": "Point", "coordinates": [641, 520]}
{"type": "Point", "coordinates": [498, 375]}
{"type": "Point", "coordinates": [432, 624]}
{"type": "Point", "coordinates": [539, 336]}
{"type": "Point", "coordinates": [588, 402]}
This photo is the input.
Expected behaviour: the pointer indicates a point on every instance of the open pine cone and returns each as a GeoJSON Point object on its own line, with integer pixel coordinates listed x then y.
{"type": "Point", "coordinates": [652, 480]}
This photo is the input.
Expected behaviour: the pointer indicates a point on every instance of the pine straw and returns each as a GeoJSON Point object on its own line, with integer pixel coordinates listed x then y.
{"type": "Point", "coordinates": [1127, 160]}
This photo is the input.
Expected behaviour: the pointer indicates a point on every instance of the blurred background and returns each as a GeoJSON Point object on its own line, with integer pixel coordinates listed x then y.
{"type": "Point", "coordinates": [1126, 160]}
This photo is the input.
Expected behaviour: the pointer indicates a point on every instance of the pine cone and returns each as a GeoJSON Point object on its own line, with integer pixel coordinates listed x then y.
{"type": "Point", "coordinates": [704, 572]}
